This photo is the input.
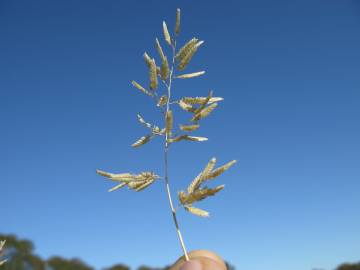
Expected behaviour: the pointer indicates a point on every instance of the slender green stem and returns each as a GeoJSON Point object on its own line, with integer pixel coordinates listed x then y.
{"type": "Point", "coordinates": [166, 149]}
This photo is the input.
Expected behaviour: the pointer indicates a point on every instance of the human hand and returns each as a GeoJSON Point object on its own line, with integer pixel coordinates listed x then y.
{"type": "Point", "coordinates": [200, 260]}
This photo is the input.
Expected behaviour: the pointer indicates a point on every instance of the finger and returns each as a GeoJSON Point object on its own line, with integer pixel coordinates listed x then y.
{"type": "Point", "coordinates": [201, 263]}
{"type": "Point", "coordinates": [204, 259]}
{"type": "Point", "coordinates": [191, 265]}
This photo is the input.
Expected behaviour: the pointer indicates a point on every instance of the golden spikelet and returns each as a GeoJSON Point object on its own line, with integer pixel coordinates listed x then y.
{"type": "Point", "coordinates": [186, 107]}
{"type": "Point", "coordinates": [122, 177]}
{"type": "Point", "coordinates": [205, 112]}
{"type": "Point", "coordinates": [144, 180]}
{"type": "Point", "coordinates": [142, 121]}
{"type": "Point", "coordinates": [145, 185]}
{"type": "Point", "coordinates": [186, 49]}
{"type": "Point", "coordinates": [203, 105]}
{"type": "Point", "coordinates": [155, 130]}
{"type": "Point", "coordinates": [159, 49]}
{"type": "Point", "coordinates": [200, 100]}
{"type": "Point", "coordinates": [195, 138]}
{"type": "Point", "coordinates": [198, 195]}
{"type": "Point", "coordinates": [177, 23]}
{"type": "Point", "coordinates": [137, 182]}
{"type": "Point", "coordinates": [209, 167]}
{"type": "Point", "coordinates": [188, 138]}
{"type": "Point", "coordinates": [142, 89]}
{"type": "Point", "coordinates": [164, 70]}
{"type": "Point", "coordinates": [162, 101]}
{"type": "Point", "coordinates": [196, 211]}
{"type": "Point", "coordinates": [141, 141]}
{"type": "Point", "coordinates": [153, 75]}
{"type": "Point", "coordinates": [185, 61]}
{"type": "Point", "coordinates": [168, 122]}
{"type": "Point", "coordinates": [221, 169]}
{"type": "Point", "coordinates": [147, 59]}
{"type": "Point", "coordinates": [117, 187]}
{"type": "Point", "coordinates": [182, 197]}
{"type": "Point", "coordinates": [194, 191]}
{"type": "Point", "coordinates": [195, 184]}
{"type": "Point", "coordinates": [189, 127]}
{"type": "Point", "coordinates": [190, 75]}
{"type": "Point", "coordinates": [166, 33]}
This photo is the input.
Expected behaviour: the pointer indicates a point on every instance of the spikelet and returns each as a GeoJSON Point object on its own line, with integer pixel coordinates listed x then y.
{"type": "Point", "coordinates": [153, 75]}
{"type": "Point", "coordinates": [196, 211]}
{"type": "Point", "coordinates": [142, 141]}
{"type": "Point", "coordinates": [142, 89]}
{"type": "Point", "coordinates": [166, 33]}
{"type": "Point", "coordinates": [186, 49]}
{"type": "Point", "coordinates": [203, 105]}
{"type": "Point", "coordinates": [122, 177]}
{"type": "Point", "coordinates": [2, 244]}
{"type": "Point", "coordinates": [156, 130]}
{"type": "Point", "coordinates": [147, 60]}
{"type": "Point", "coordinates": [188, 138]}
{"type": "Point", "coordinates": [117, 187]}
{"type": "Point", "coordinates": [191, 187]}
{"type": "Point", "coordinates": [189, 127]}
{"type": "Point", "coordinates": [190, 75]}
{"type": "Point", "coordinates": [195, 138]}
{"type": "Point", "coordinates": [134, 181]}
{"type": "Point", "coordinates": [205, 112]}
{"type": "Point", "coordinates": [145, 185]}
{"type": "Point", "coordinates": [162, 101]}
{"type": "Point", "coordinates": [164, 70]}
{"type": "Point", "coordinates": [198, 195]}
{"type": "Point", "coordinates": [195, 184]}
{"type": "Point", "coordinates": [177, 23]}
{"type": "Point", "coordinates": [186, 107]}
{"type": "Point", "coordinates": [142, 121]}
{"type": "Point", "coordinates": [220, 170]}
{"type": "Point", "coordinates": [144, 180]}
{"type": "Point", "coordinates": [185, 61]}
{"type": "Point", "coordinates": [168, 122]}
{"type": "Point", "coordinates": [200, 100]}
{"type": "Point", "coordinates": [159, 49]}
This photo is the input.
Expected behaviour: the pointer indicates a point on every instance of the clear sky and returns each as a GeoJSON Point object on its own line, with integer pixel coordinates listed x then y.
{"type": "Point", "coordinates": [289, 72]}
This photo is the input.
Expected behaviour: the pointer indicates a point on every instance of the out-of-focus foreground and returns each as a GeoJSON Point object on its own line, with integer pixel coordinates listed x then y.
{"type": "Point", "coordinates": [19, 255]}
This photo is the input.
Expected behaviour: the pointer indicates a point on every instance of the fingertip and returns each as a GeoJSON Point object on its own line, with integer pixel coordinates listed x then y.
{"type": "Point", "coordinates": [191, 265]}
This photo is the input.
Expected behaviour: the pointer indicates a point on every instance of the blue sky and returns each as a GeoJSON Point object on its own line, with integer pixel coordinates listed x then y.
{"type": "Point", "coordinates": [289, 74]}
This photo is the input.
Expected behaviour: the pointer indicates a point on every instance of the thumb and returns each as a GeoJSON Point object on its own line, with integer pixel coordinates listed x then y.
{"type": "Point", "coordinates": [200, 260]}
{"type": "Point", "coordinates": [202, 263]}
{"type": "Point", "coordinates": [191, 265]}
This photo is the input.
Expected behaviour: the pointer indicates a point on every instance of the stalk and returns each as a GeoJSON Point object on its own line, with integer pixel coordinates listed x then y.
{"type": "Point", "coordinates": [166, 149]}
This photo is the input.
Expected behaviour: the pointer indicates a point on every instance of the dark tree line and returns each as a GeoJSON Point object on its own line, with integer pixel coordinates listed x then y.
{"type": "Point", "coordinates": [20, 256]}
{"type": "Point", "coordinates": [349, 266]}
